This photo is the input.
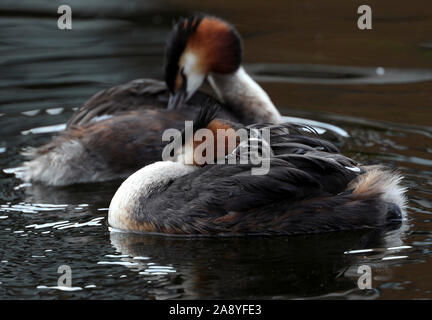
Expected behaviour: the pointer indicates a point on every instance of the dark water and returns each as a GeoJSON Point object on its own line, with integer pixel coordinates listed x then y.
{"type": "Point", "coordinates": [315, 64]}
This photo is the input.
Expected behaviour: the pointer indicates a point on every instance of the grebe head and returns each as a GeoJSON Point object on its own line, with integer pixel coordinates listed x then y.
{"type": "Point", "coordinates": [209, 139]}
{"type": "Point", "coordinates": [197, 46]}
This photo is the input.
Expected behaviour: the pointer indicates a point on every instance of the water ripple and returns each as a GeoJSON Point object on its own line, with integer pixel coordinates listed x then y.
{"type": "Point", "coordinates": [327, 74]}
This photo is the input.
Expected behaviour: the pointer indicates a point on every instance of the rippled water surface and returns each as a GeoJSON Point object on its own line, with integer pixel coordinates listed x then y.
{"type": "Point", "coordinates": [375, 86]}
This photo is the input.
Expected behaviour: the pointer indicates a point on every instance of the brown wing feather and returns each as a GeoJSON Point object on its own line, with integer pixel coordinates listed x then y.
{"type": "Point", "coordinates": [138, 94]}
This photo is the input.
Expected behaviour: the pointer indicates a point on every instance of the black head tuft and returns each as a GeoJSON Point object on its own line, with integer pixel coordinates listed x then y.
{"type": "Point", "coordinates": [207, 113]}
{"type": "Point", "coordinates": [175, 46]}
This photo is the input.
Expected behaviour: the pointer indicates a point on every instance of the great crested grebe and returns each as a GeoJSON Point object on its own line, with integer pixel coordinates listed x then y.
{"type": "Point", "coordinates": [309, 188]}
{"type": "Point", "coordinates": [119, 129]}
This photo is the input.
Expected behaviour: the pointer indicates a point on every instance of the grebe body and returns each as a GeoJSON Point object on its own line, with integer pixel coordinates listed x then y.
{"type": "Point", "coordinates": [309, 188]}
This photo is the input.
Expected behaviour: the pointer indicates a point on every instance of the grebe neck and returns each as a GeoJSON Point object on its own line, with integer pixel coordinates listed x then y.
{"type": "Point", "coordinates": [247, 99]}
{"type": "Point", "coordinates": [143, 184]}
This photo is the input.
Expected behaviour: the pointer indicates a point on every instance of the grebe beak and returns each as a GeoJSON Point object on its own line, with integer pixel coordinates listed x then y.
{"type": "Point", "coordinates": [177, 99]}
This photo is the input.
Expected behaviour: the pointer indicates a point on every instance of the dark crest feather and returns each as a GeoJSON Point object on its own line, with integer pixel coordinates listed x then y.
{"type": "Point", "coordinates": [208, 112]}
{"type": "Point", "coordinates": [175, 46]}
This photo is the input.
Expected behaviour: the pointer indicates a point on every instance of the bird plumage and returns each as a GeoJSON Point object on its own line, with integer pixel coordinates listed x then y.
{"type": "Point", "coordinates": [309, 188]}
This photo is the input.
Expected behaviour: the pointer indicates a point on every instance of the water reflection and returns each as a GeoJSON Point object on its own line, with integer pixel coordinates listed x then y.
{"type": "Point", "coordinates": [266, 267]}
{"type": "Point", "coordinates": [98, 194]}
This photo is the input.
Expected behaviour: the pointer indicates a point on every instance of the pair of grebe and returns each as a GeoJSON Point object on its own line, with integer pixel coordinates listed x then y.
{"type": "Point", "coordinates": [309, 187]}
{"type": "Point", "coordinates": [119, 130]}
